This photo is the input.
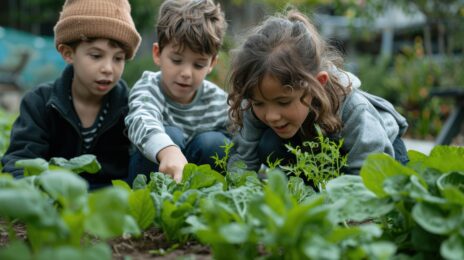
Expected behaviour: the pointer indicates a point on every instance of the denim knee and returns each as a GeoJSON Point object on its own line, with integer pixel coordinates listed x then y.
{"type": "Point", "coordinates": [139, 164]}
{"type": "Point", "coordinates": [205, 145]}
{"type": "Point", "coordinates": [271, 147]}
{"type": "Point", "coordinates": [177, 135]}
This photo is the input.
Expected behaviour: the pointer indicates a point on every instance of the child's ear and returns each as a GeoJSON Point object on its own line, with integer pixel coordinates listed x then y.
{"type": "Point", "coordinates": [322, 77]}
{"type": "Point", "coordinates": [66, 52]}
{"type": "Point", "coordinates": [213, 63]}
{"type": "Point", "coordinates": [156, 53]}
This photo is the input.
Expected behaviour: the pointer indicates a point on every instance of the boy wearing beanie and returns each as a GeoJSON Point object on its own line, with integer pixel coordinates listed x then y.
{"type": "Point", "coordinates": [175, 115]}
{"type": "Point", "coordinates": [83, 111]}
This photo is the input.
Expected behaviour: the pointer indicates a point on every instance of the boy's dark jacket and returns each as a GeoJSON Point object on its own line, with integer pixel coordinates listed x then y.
{"type": "Point", "coordinates": [48, 127]}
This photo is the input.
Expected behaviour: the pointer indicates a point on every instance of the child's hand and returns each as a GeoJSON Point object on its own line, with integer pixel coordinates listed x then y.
{"type": "Point", "coordinates": [172, 162]}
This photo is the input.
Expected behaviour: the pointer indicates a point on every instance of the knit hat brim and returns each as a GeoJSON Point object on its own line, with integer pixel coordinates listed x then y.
{"type": "Point", "coordinates": [86, 27]}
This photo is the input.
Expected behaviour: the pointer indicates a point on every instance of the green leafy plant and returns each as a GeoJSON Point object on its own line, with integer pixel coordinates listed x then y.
{"type": "Point", "coordinates": [222, 162]}
{"type": "Point", "coordinates": [419, 206]}
{"type": "Point", "coordinates": [61, 217]}
{"type": "Point", "coordinates": [321, 162]}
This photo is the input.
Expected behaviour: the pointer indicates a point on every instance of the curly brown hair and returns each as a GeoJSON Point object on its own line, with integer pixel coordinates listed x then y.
{"type": "Point", "coordinates": [197, 24]}
{"type": "Point", "coordinates": [289, 48]}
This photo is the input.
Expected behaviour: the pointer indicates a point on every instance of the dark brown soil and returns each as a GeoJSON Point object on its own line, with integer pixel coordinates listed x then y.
{"type": "Point", "coordinates": [151, 245]}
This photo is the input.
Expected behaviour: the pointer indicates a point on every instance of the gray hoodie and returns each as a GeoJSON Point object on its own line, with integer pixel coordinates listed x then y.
{"type": "Point", "coordinates": [370, 125]}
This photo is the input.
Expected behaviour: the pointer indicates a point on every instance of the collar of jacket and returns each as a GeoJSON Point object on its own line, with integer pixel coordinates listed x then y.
{"type": "Point", "coordinates": [61, 90]}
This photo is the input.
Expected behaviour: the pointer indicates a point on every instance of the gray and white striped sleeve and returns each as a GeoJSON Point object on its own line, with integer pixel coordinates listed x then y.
{"type": "Point", "coordinates": [145, 120]}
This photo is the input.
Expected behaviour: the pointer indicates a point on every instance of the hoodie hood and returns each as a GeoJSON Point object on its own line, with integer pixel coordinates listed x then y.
{"type": "Point", "coordinates": [345, 78]}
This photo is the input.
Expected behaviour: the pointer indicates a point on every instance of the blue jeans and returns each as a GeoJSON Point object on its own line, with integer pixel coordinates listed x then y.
{"type": "Point", "coordinates": [273, 146]}
{"type": "Point", "coordinates": [198, 151]}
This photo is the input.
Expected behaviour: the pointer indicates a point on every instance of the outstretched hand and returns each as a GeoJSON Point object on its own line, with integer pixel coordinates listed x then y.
{"type": "Point", "coordinates": [172, 162]}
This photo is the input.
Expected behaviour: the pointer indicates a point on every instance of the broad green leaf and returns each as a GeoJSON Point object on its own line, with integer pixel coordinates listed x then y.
{"type": "Point", "coordinates": [108, 208]}
{"type": "Point", "coordinates": [17, 250]}
{"type": "Point", "coordinates": [67, 188]}
{"type": "Point", "coordinates": [27, 205]}
{"type": "Point", "coordinates": [140, 182]}
{"type": "Point", "coordinates": [453, 179]}
{"type": "Point", "coordinates": [277, 186]}
{"type": "Point", "coordinates": [99, 251]}
{"type": "Point", "coordinates": [121, 184]}
{"type": "Point", "coordinates": [32, 166]}
{"type": "Point", "coordinates": [377, 168]}
{"type": "Point", "coordinates": [197, 177]}
{"type": "Point", "coordinates": [142, 208]}
{"type": "Point", "coordinates": [453, 247]}
{"type": "Point", "coordinates": [424, 242]}
{"type": "Point", "coordinates": [356, 202]}
{"type": "Point", "coordinates": [453, 195]}
{"type": "Point", "coordinates": [75, 224]}
{"type": "Point", "coordinates": [299, 190]}
{"type": "Point", "coordinates": [235, 233]}
{"type": "Point", "coordinates": [446, 158]}
{"type": "Point", "coordinates": [436, 220]}
{"type": "Point", "coordinates": [318, 248]}
{"type": "Point", "coordinates": [83, 163]}
{"type": "Point", "coordinates": [381, 250]}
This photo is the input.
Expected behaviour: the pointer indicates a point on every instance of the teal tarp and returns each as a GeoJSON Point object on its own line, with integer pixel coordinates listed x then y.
{"type": "Point", "coordinates": [45, 63]}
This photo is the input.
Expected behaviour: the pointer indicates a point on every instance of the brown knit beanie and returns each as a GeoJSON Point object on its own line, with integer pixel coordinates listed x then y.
{"type": "Point", "coordinates": [109, 19]}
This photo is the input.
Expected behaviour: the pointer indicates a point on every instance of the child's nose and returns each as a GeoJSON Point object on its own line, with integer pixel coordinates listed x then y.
{"type": "Point", "coordinates": [186, 71]}
{"type": "Point", "coordinates": [272, 115]}
{"type": "Point", "coordinates": [107, 66]}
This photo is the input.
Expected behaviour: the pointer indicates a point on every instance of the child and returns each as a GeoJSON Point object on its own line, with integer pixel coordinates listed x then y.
{"type": "Point", "coordinates": [83, 111]}
{"type": "Point", "coordinates": [285, 79]}
{"type": "Point", "coordinates": [175, 115]}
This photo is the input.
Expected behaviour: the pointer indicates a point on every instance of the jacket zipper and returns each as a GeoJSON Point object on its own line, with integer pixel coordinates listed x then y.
{"type": "Point", "coordinates": [79, 150]}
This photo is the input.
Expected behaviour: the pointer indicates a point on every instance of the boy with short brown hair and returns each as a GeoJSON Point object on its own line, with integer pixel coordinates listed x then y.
{"type": "Point", "coordinates": [175, 115]}
{"type": "Point", "coordinates": [83, 111]}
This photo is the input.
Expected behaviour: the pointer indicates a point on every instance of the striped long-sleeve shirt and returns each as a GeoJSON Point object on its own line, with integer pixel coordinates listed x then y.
{"type": "Point", "coordinates": [150, 110]}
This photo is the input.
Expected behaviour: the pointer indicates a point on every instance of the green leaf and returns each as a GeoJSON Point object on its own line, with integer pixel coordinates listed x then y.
{"type": "Point", "coordinates": [355, 201]}
{"type": "Point", "coordinates": [17, 250]}
{"type": "Point", "coordinates": [446, 158]}
{"type": "Point", "coordinates": [108, 209]}
{"type": "Point", "coordinates": [377, 168]}
{"type": "Point", "coordinates": [453, 247]}
{"type": "Point", "coordinates": [32, 166]}
{"type": "Point", "coordinates": [452, 179]}
{"type": "Point", "coordinates": [27, 205]}
{"type": "Point", "coordinates": [121, 184]}
{"type": "Point", "coordinates": [436, 220]}
{"type": "Point", "coordinates": [140, 182]}
{"type": "Point", "coordinates": [235, 233]}
{"type": "Point", "coordinates": [197, 177]}
{"type": "Point", "coordinates": [299, 190]}
{"type": "Point", "coordinates": [67, 188]}
{"type": "Point", "coordinates": [83, 163]}
{"type": "Point", "coordinates": [142, 208]}
{"type": "Point", "coordinates": [94, 252]}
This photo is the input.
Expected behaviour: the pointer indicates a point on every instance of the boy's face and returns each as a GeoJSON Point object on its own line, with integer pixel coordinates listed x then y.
{"type": "Point", "coordinates": [279, 107]}
{"type": "Point", "coordinates": [98, 66]}
{"type": "Point", "coordinates": [182, 72]}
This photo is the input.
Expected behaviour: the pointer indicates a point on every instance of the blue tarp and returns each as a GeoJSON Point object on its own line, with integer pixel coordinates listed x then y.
{"type": "Point", "coordinates": [45, 63]}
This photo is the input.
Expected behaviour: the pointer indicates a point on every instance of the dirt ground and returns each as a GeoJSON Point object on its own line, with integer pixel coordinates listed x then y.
{"type": "Point", "coordinates": [152, 245]}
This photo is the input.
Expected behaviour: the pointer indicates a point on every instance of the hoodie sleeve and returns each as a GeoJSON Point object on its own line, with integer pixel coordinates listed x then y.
{"type": "Point", "coordinates": [246, 143]}
{"type": "Point", "coordinates": [29, 136]}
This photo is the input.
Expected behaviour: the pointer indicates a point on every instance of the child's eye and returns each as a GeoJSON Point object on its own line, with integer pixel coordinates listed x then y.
{"type": "Point", "coordinates": [256, 104]}
{"type": "Point", "coordinates": [284, 103]}
{"type": "Point", "coordinates": [199, 66]}
{"type": "Point", "coordinates": [176, 61]}
{"type": "Point", "coordinates": [95, 56]}
{"type": "Point", "coordinates": [119, 58]}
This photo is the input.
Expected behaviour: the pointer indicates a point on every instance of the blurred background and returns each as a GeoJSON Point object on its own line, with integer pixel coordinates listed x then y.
{"type": "Point", "coordinates": [401, 50]}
